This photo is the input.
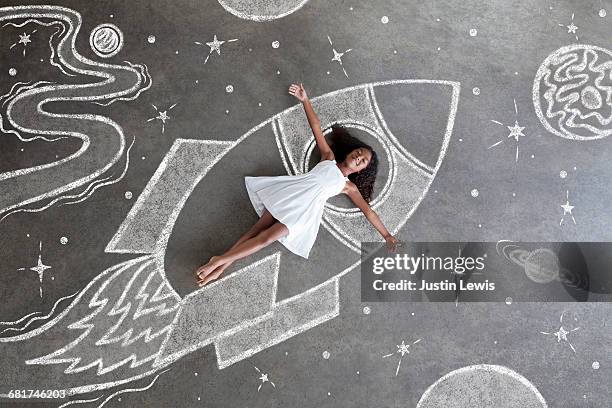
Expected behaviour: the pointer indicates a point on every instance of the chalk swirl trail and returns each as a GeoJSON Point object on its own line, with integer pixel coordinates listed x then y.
{"type": "Point", "coordinates": [103, 141]}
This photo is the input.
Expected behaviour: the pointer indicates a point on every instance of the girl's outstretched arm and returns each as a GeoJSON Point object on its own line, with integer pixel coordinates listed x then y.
{"type": "Point", "coordinates": [313, 120]}
{"type": "Point", "coordinates": [353, 192]}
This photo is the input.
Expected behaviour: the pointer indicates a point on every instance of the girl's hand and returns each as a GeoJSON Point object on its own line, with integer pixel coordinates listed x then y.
{"type": "Point", "coordinates": [298, 91]}
{"type": "Point", "coordinates": [392, 243]}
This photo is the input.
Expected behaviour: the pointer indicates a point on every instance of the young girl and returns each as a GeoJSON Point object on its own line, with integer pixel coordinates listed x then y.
{"type": "Point", "coordinates": [291, 207]}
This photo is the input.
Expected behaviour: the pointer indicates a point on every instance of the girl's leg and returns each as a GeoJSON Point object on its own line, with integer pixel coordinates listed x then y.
{"type": "Point", "coordinates": [265, 221]}
{"type": "Point", "coordinates": [248, 247]}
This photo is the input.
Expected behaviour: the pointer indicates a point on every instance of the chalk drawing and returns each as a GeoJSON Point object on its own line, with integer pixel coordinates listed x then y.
{"type": "Point", "coordinates": [571, 27]}
{"type": "Point", "coordinates": [567, 209]}
{"type": "Point", "coordinates": [264, 378]}
{"type": "Point", "coordinates": [338, 55]}
{"type": "Point", "coordinates": [572, 92]}
{"type": "Point", "coordinates": [34, 319]}
{"type": "Point", "coordinates": [39, 268]}
{"type": "Point", "coordinates": [516, 132]}
{"type": "Point", "coordinates": [482, 385]}
{"type": "Point", "coordinates": [563, 332]}
{"type": "Point", "coordinates": [262, 10]}
{"type": "Point", "coordinates": [214, 45]}
{"type": "Point", "coordinates": [23, 39]}
{"type": "Point", "coordinates": [402, 349]}
{"type": "Point", "coordinates": [103, 142]}
{"type": "Point", "coordinates": [142, 325]}
{"type": "Point", "coordinates": [162, 116]}
{"type": "Point", "coordinates": [106, 40]}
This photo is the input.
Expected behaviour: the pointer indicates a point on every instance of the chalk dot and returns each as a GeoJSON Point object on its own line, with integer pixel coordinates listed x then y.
{"type": "Point", "coordinates": [277, 72]}
{"type": "Point", "coordinates": [563, 174]}
{"type": "Point", "coordinates": [508, 300]}
{"type": "Point", "coordinates": [574, 167]}
{"type": "Point", "coordinates": [485, 255]}
{"type": "Point", "coordinates": [22, 149]}
{"type": "Point", "coordinates": [479, 225]}
{"type": "Point", "coordinates": [384, 19]}
{"type": "Point", "coordinates": [437, 19]}
{"type": "Point", "coordinates": [460, 139]}
{"type": "Point", "coordinates": [128, 195]}
{"type": "Point", "coordinates": [412, 313]}
{"type": "Point", "coordinates": [42, 60]}
{"type": "Point", "coordinates": [143, 157]}
{"type": "Point", "coordinates": [63, 240]}
{"type": "Point", "coordinates": [435, 191]}
{"type": "Point", "coordinates": [176, 52]}
{"type": "Point", "coordinates": [275, 44]}
{"type": "Point", "coordinates": [53, 278]}
{"type": "Point", "coordinates": [259, 104]}
{"type": "Point", "coordinates": [250, 50]}
{"type": "Point", "coordinates": [533, 156]}
{"type": "Point", "coordinates": [326, 355]}
{"type": "Point", "coordinates": [357, 372]}
{"type": "Point", "coordinates": [513, 194]}
{"type": "Point", "coordinates": [196, 374]}
{"type": "Point", "coordinates": [197, 81]}
{"type": "Point", "coordinates": [198, 398]}
{"type": "Point", "coordinates": [395, 51]}
{"type": "Point", "coordinates": [495, 342]}
{"type": "Point", "coordinates": [438, 48]}
{"type": "Point", "coordinates": [327, 72]}
{"type": "Point", "coordinates": [227, 111]}
{"type": "Point", "coordinates": [366, 310]}
{"type": "Point", "coordinates": [595, 365]}
{"type": "Point", "coordinates": [151, 39]}
{"type": "Point", "coordinates": [286, 353]}
{"type": "Point", "coordinates": [12, 71]}
{"type": "Point", "coordinates": [328, 393]}
{"type": "Point", "coordinates": [474, 193]}
{"type": "Point", "coordinates": [229, 88]}
{"type": "Point", "coordinates": [602, 13]}
{"type": "Point", "coordinates": [473, 32]}
{"type": "Point", "coordinates": [351, 8]}
{"type": "Point", "coordinates": [111, 15]}
{"type": "Point", "coordinates": [476, 91]}
{"type": "Point", "coordinates": [28, 235]}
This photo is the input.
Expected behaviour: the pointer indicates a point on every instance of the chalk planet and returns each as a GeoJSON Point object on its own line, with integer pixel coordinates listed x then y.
{"type": "Point", "coordinates": [106, 40]}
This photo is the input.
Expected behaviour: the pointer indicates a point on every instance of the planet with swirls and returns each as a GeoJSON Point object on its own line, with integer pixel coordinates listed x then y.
{"type": "Point", "coordinates": [106, 40]}
{"type": "Point", "coordinates": [572, 92]}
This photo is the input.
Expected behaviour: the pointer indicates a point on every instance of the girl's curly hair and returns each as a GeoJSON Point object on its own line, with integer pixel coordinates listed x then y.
{"type": "Point", "coordinates": [342, 143]}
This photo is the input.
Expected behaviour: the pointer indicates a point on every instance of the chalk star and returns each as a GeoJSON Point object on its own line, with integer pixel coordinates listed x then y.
{"type": "Point", "coordinates": [516, 131]}
{"type": "Point", "coordinates": [215, 45]}
{"type": "Point", "coordinates": [161, 116]}
{"type": "Point", "coordinates": [402, 349]}
{"type": "Point", "coordinates": [338, 55]}
{"type": "Point", "coordinates": [567, 209]}
{"type": "Point", "coordinates": [562, 333]}
{"type": "Point", "coordinates": [24, 39]}
{"type": "Point", "coordinates": [264, 379]}
{"type": "Point", "coordinates": [572, 28]}
{"type": "Point", "coordinates": [39, 268]}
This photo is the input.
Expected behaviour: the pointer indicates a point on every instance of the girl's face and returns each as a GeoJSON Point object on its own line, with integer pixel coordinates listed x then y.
{"type": "Point", "coordinates": [358, 159]}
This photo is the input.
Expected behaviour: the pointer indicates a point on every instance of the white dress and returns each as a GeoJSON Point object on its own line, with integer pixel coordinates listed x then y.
{"type": "Point", "coordinates": [297, 201]}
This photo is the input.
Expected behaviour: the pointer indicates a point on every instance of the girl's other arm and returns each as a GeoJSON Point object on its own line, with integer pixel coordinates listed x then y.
{"type": "Point", "coordinates": [353, 192]}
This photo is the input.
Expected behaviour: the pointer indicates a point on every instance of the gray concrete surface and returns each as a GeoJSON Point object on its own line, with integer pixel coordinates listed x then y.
{"type": "Point", "coordinates": [518, 200]}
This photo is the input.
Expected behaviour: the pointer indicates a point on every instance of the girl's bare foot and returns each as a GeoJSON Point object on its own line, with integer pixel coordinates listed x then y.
{"type": "Point", "coordinates": [206, 269]}
{"type": "Point", "coordinates": [213, 275]}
